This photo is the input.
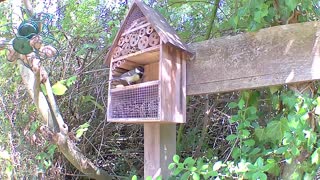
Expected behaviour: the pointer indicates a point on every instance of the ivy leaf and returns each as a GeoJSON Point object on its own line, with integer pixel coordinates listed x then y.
{"type": "Point", "coordinates": [59, 89]}
{"type": "Point", "coordinates": [276, 129]}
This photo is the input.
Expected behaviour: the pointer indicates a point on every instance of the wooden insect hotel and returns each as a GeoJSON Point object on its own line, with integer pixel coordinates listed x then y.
{"type": "Point", "coordinates": [145, 39]}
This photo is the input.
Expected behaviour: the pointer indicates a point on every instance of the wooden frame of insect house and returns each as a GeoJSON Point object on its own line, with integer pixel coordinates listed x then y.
{"type": "Point", "coordinates": [145, 39]}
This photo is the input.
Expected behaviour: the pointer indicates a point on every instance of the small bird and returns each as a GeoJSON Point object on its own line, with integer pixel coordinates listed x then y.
{"type": "Point", "coordinates": [131, 76]}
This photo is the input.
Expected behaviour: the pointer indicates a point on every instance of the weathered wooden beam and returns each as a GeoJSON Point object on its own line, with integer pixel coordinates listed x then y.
{"type": "Point", "coordinates": [271, 56]}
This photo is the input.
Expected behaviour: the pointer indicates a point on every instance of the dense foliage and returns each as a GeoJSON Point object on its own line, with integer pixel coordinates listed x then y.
{"type": "Point", "coordinates": [252, 134]}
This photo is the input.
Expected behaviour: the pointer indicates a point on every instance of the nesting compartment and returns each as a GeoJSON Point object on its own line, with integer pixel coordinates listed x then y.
{"type": "Point", "coordinates": [140, 102]}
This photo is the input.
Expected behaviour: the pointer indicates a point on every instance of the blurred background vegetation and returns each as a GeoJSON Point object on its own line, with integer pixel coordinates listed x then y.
{"type": "Point", "coordinates": [250, 134]}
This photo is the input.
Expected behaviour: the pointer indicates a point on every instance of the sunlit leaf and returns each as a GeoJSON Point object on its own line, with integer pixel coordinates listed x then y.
{"type": "Point", "coordinates": [176, 158]}
{"type": "Point", "coordinates": [59, 89]}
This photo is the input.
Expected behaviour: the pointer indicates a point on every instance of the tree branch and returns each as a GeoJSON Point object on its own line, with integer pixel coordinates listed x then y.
{"type": "Point", "coordinates": [212, 18]}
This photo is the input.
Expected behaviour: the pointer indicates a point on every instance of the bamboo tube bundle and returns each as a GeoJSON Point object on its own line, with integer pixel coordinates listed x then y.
{"type": "Point", "coordinates": [142, 32]}
{"type": "Point", "coordinates": [149, 29]}
{"type": "Point", "coordinates": [143, 42]}
{"type": "Point", "coordinates": [127, 38]}
{"type": "Point", "coordinates": [133, 50]}
{"type": "Point", "coordinates": [154, 39]}
{"type": "Point", "coordinates": [125, 49]}
{"type": "Point", "coordinates": [119, 63]}
{"type": "Point", "coordinates": [134, 40]}
{"type": "Point", "coordinates": [117, 52]}
{"type": "Point", "coordinates": [121, 41]}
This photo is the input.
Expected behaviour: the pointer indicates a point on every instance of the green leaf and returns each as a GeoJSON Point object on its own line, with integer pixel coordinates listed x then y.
{"type": "Point", "coordinates": [51, 149]}
{"type": "Point", "coordinates": [171, 165]}
{"type": "Point", "coordinates": [159, 178]}
{"type": "Point", "coordinates": [177, 171]}
{"type": "Point", "coordinates": [204, 167]}
{"type": "Point", "coordinates": [236, 153]}
{"type": "Point", "coordinates": [254, 151]}
{"type": "Point", "coordinates": [82, 129]}
{"type": "Point", "coordinates": [176, 158]}
{"type": "Point", "coordinates": [71, 80]}
{"type": "Point", "coordinates": [315, 157]}
{"type": "Point", "coordinates": [275, 129]}
{"type": "Point", "coordinates": [292, 4]}
{"type": "Point", "coordinates": [134, 177]}
{"type": "Point", "coordinates": [59, 89]}
{"type": "Point", "coordinates": [185, 175]}
{"type": "Point", "coordinates": [241, 103]}
{"type": "Point", "coordinates": [257, 16]}
{"type": "Point", "coordinates": [91, 99]}
{"type": "Point", "coordinates": [189, 161]}
{"type": "Point", "coordinates": [259, 162]}
{"type": "Point", "coordinates": [252, 110]}
{"type": "Point", "coordinates": [192, 169]}
{"type": "Point", "coordinates": [244, 133]}
{"type": "Point", "coordinates": [259, 175]}
{"type": "Point", "coordinates": [249, 142]}
{"type": "Point", "coordinates": [195, 176]}
{"type": "Point", "coordinates": [295, 151]}
{"type": "Point", "coordinates": [272, 167]}
{"type": "Point", "coordinates": [149, 178]}
{"type": "Point", "coordinates": [231, 137]}
{"type": "Point", "coordinates": [232, 105]}
{"type": "Point", "coordinates": [281, 150]}
{"type": "Point", "coordinates": [259, 133]}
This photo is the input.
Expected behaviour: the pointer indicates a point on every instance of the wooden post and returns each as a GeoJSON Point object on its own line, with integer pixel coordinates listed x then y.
{"type": "Point", "coordinates": [159, 148]}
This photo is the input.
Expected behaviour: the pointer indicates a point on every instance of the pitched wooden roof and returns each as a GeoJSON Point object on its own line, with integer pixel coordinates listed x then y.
{"type": "Point", "coordinates": [161, 26]}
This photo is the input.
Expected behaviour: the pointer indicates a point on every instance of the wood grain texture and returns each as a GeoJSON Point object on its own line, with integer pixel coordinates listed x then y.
{"type": "Point", "coordinates": [172, 84]}
{"type": "Point", "coordinates": [159, 148]}
{"type": "Point", "coordinates": [271, 56]}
